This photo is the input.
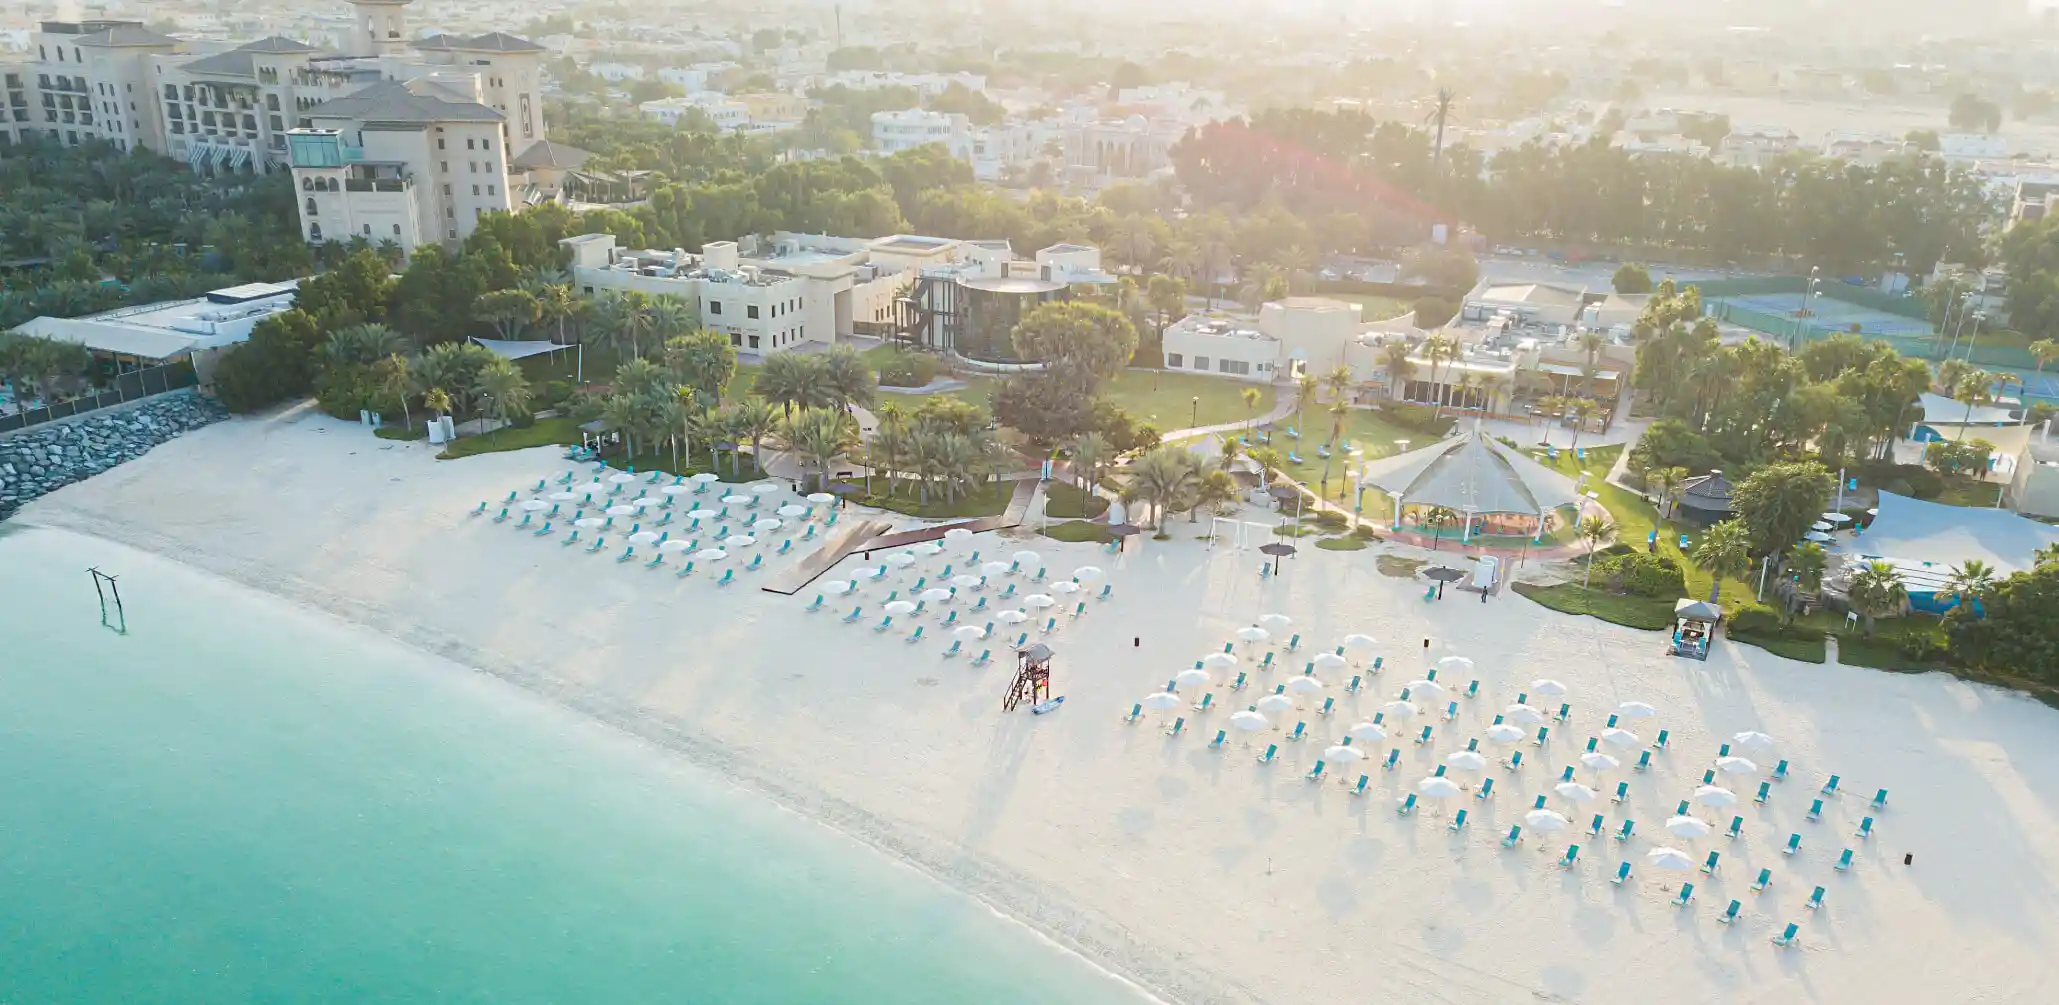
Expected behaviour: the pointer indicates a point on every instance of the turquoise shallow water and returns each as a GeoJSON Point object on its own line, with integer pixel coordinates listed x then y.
{"type": "Point", "coordinates": [245, 802]}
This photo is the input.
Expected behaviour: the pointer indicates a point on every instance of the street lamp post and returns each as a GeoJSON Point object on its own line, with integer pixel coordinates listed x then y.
{"type": "Point", "coordinates": [1194, 417]}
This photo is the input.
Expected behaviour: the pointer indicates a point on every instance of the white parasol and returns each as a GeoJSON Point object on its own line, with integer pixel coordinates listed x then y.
{"type": "Point", "coordinates": [1599, 761]}
{"type": "Point", "coordinates": [927, 549]}
{"type": "Point", "coordinates": [1275, 703]}
{"type": "Point", "coordinates": [1027, 557]}
{"type": "Point", "coordinates": [1087, 573]}
{"type": "Point", "coordinates": [764, 489]}
{"type": "Point", "coordinates": [1545, 820]}
{"type": "Point", "coordinates": [1065, 586]}
{"type": "Point", "coordinates": [1752, 740]}
{"type": "Point", "coordinates": [1466, 760]}
{"type": "Point", "coordinates": [819, 498]}
{"type": "Point", "coordinates": [1455, 664]}
{"type": "Point", "coordinates": [1522, 715]}
{"type": "Point", "coordinates": [535, 505]}
{"type": "Point", "coordinates": [588, 522]}
{"type": "Point", "coordinates": [1370, 732]}
{"type": "Point", "coordinates": [643, 537]}
{"type": "Point", "coordinates": [1736, 766]}
{"type": "Point", "coordinates": [1621, 738]}
{"type": "Point", "coordinates": [1161, 701]}
{"type": "Point", "coordinates": [1425, 688]}
{"type": "Point", "coordinates": [964, 581]}
{"type": "Point", "coordinates": [733, 499]}
{"type": "Point", "coordinates": [1502, 732]}
{"type": "Point", "coordinates": [1219, 660]}
{"type": "Point", "coordinates": [1636, 710]}
{"type": "Point", "coordinates": [678, 545]}
{"type": "Point", "coordinates": [704, 477]}
{"type": "Point", "coordinates": [1574, 791]}
{"type": "Point", "coordinates": [792, 511]}
{"type": "Point", "coordinates": [1011, 617]}
{"type": "Point", "coordinates": [1328, 661]}
{"type": "Point", "coordinates": [839, 586]}
{"type": "Point", "coordinates": [1343, 754]}
{"type": "Point", "coordinates": [622, 478]}
{"type": "Point", "coordinates": [900, 560]}
{"type": "Point", "coordinates": [766, 526]}
{"type": "Point", "coordinates": [1669, 859]}
{"type": "Point", "coordinates": [1192, 677]}
{"type": "Point", "coordinates": [1275, 621]}
{"type": "Point", "coordinates": [1715, 795]}
{"type": "Point", "coordinates": [1359, 642]}
{"type": "Point", "coordinates": [957, 535]}
{"type": "Point", "coordinates": [1305, 685]}
{"type": "Point", "coordinates": [1688, 827]}
{"type": "Point", "coordinates": [1039, 600]}
{"type": "Point", "coordinates": [898, 607]}
{"type": "Point", "coordinates": [701, 514]}
{"type": "Point", "coordinates": [1547, 686]}
{"type": "Point", "coordinates": [1253, 634]}
{"type": "Point", "coordinates": [623, 510]}
{"type": "Point", "coordinates": [994, 568]}
{"type": "Point", "coordinates": [740, 541]}
{"type": "Point", "coordinates": [1438, 787]}
{"type": "Point", "coordinates": [936, 595]}
{"type": "Point", "coordinates": [676, 490]}
{"type": "Point", "coordinates": [1248, 721]}
{"type": "Point", "coordinates": [968, 633]}
{"type": "Point", "coordinates": [710, 555]}
{"type": "Point", "coordinates": [1399, 709]}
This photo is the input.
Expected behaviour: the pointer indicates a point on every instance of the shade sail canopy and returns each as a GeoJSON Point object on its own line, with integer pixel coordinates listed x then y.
{"type": "Point", "coordinates": [1472, 473]}
{"type": "Point", "coordinates": [520, 349]}
{"type": "Point", "coordinates": [1924, 540]}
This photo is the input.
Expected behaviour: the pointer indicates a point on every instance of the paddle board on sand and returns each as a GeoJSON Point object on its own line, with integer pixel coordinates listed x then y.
{"type": "Point", "coordinates": [1047, 706]}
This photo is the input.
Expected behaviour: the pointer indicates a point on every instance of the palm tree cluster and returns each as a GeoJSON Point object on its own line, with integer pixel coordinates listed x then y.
{"type": "Point", "coordinates": [944, 449]}
{"type": "Point", "coordinates": [37, 368]}
{"type": "Point", "coordinates": [1172, 478]}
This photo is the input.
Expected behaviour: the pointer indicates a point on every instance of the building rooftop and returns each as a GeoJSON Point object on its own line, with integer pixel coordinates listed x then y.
{"type": "Point", "coordinates": [912, 243]}
{"type": "Point", "coordinates": [169, 329]}
{"type": "Point", "coordinates": [492, 41]}
{"type": "Point", "coordinates": [1200, 324]}
{"type": "Point", "coordinates": [545, 154]}
{"type": "Point", "coordinates": [127, 33]}
{"type": "Point", "coordinates": [1540, 294]}
{"type": "Point", "coordinates": [409, 101]}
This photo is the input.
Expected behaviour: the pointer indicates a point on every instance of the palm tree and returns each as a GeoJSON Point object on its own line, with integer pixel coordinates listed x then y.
{"type": "Point", "coordinates": [668, 413]}
{"type": "Point", "coordinates": [817, 438]}
{"type": "Point", "coordinates": [672, 316]}
{"type": "Point", "coordinates": [395, 380]}
{"type": "Point", "coordinates": [1399, 367]}
{"type": "Point", "coordinates": [506, 388]}
{"type": "Point", "coordinates": [1304, 394]}
{"type": "Point", "coordinates": [1162, 479]}
{"type": "Point", "coordinates": [702, 360]}
{"type": "Point", "coordinates": [847, 378]}
{"type": "Point", "coordinates": [361, 345]}
{"type": "Point", "coordinates": [1250, 396]}
{"type": "Point", "coordinates": [1216, 490]}
{"type": "Point", "coordinates": [437, 400]}
{"type": "Point", "coordinates": [1949, 372]}
{"type": "Point", "coordinates": [1723, 553]}
{"type": "Point", "coordinates": [1807, 562]}
{"type": "Point", "coordinates": [1268, 461]}
{"type": "Point", "coordinates": [711, 427]}
{"type": "Point", "coordinates": [1439, 517]}
{"type": "Point", "coordinates": [626, 318]}
{"type": "Point", "coordinates": [1970, 582]}
{"type": "Point", "coordinates": [890, 443]}
{"type": "Point", "coordinates": [1591, 343]}
{"type": "Point", "coordinates": [1232, 449]}
{"type": "Point", "coordinates": [1339, 380]}
{"type": "Point", "coordinates": [1584, 410]}
{"type": "Point", "coordinates": [1665, 484]}
{"type": "Point", "coordinates": [1593, 529]}
{"type": "Point", "coordinates": [1876, 591]}
{"type": "Point", "coordinates": [754, 420]}
{"type": "Point", "coordinates": [641, 376]}
{"type": "Point", "coordinates": [1441, 113]}
{"type": "Point", "coordinates": [1089, 452]}
{"type": "Point", "coordinates": [1972, 389]}
{"type": "Point", "coordinates": [1436, 349]}
{"type": "Point", "coordinates": [555, 303]}
{"type": "Point", "coordinates": [2044, 351]}
{"type": "Point", "coordinates": [1552, 406]}
{"type": "Point", "coordinates": [1339, 412]}
{"type": "Point", "coordinates": [794, 380]}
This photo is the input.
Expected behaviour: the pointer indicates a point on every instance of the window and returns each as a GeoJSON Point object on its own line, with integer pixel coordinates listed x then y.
{"type": "Point", "coordinates": [368, 230]}
{"type": "Point", "coordinates": [446, 167]}
{"type": "Point", "coordinates": [1235, 366]}
{"type": "Point", "coordinates": [1200, 362]}
{"type": "Point", "coordinates": [714, 306]}
{"type": "Point", "coordinates": [311, 206]}
{"type": "Point", "coordinates": [396, 230]}
{"type": "Point", "coordinates": [468, 144]}
{"type": "Point", "coordinates": [439, 142]}
{"type": "Point", "coordinates": [485, 144]}
{"type": "Point", "coordinates": [475, 190]}
{"type": "Point", "coordinates": [751, 311]}
{"type": "Point", "coordinates": [1172, 360]}
{"type": "Point", "coordinates": [490, 190]}
{"type": "Point", "coordinates": [314, 232]}
{"type": "Point", "coordinates": [472, 166]}
{"type": "Point", "coordinates": [754, 341]}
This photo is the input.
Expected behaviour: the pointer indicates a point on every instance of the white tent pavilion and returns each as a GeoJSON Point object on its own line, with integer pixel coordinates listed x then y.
{"type": "Point", "coordinates": [1472, 474]}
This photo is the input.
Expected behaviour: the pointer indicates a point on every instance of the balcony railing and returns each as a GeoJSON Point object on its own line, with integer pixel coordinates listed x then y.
{"type": "Point", "coordinates": [377, 184]}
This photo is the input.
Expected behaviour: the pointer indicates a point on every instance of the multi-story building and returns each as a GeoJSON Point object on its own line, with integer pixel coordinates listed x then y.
{"type": "Point", "coordinates": [413, 162]}
{"type": "Point", "coordinates": [893, 132]}
{"type": "Point", "coordinates": [16, 88]}
{"type": "Point", "coordinates": [93, 81]}
{"type": "Point", "coordinates": [1120, 148]}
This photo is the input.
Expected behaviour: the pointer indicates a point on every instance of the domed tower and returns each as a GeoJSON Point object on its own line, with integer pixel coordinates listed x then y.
{"type": "Point", "coordinates": [382, 28]}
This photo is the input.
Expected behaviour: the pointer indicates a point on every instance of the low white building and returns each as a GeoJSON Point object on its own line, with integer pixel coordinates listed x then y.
{"type": "Point", "coordinates": [928, 84]}
{"type": "Point", "coordinates": [893, 132]}
{"type": "Point", "coordinates": [1973, 146]}
{"type": "Point", "coordinates": [1527, 303]}
{"type": "Point", "coordinates": [152, 334]}
{"type": "Point", "coordinates": [1222, 346]}
{"type": "Point", "coordinates": [727, 115]}
{"type": "Point", "coordinates": [615, 73]}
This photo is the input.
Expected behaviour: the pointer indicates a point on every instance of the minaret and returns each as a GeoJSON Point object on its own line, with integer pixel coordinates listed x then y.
{"type": "Point", "coordinates": [382, 28]}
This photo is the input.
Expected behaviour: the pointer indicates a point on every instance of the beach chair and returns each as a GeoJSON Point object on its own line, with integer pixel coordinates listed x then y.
{"type": "Point", "coordinates": [1709, 866]}
{"type": "Point", "coordinates": [1622, 792]}
{"type": "Point", "coordinates": [916, 635]}
{"type": "Point", "coordinates": [1793, 845]}
{"type": "Point", "coordinates": [785, 546]}
{"type": "Point", "coordinates": [1009, 592]}
{"type": "Point", "coordinates": [1178, 723]}
{"type": "Point", "coordinates": [814, 605]}
{"type": "Point", "coordinates": [510, 498]}
{"type": "Point", "coordinates": [1486, 789]}
{"type": "Point", "coordinates": [1515, 837]}
{"type": "Point", "coordinates": [598, 544]}
{"type": "Point", "coordinates": [1765, 879]}
{"type": "Point", "coordinates": [1729, 914]}
{"type": "Point", "coordinates": [1238, 684]}
{"type": "Point", "coordinates": [728, 577]}
{"type": "Point", "coordinates": [987, 631]}
{"type": "Point", "coordinates": [1879, 799]}
{"type": "Point", "coordinates": [664, 521]}
{"type": "Point", "coordinates": [502, 516]}
{"type": "Point", "coordinates": [479, 510]}
{"type": "Point", "coordinates": [1322, 451]}
{"type": "Point", "coordinates": [1515, 761]}
{"type": "Point", "coordinates": [953, 651]}
{"type": "Point", "coordinates": [656, 560]}
{"type": "Point", "coordinates": [1356, 684]}
{"type": "Point", "coordinates": [831, 522]}
{"type": "Point", "coordinates": [981, 606]}
{"type": "Point", "coordinates": [1207, 699]}
{"type": "Point", "coordinates": [1359, 788]}
{"type": "Point", "coordinates": [1106, 590]}
{"type": "Point", "coordinates": [1293, 458]}
{"type": "Point", "coordinates": [1473, 689]}
{"type": "Point", "coordinates": [1643, 761]}
{"type": "Point", "coordinates": [1222, 736]}
{"type": "Point", "coordinates": [1458, 822]}
{"type": "Point", "coordinates": [570, 539]}
{"type": "Point", "coordinates": [1300, 730]}
{"type": "Point", "coordinates": [1407, 806]}
{"type": "Point", "coordinates": [949, 620]}
{"type": "Point", "coordinates": [1022, 640]}
{"type": "Point", "coordinates": [1815, 810]}
{"type": "Point", "coordinates": [1780, 772]}
{"type": "Point", "coordinates": [1543, 733]}
{"type": "Point", "coordinates": [1622, 873]}
{"type": "Point", "coordinates": [684, 571]}
{"type": "Point", "coordinates": [1271, 750]}
{"type": "Point", "coordinates": [809, 534]}
{"type": "Point", "coordinates": [1830, 787]}
{"type": "Point", "coordinates": [1736, 827]}
{"type": "Point", "coordinates": [1381, 661]}
{"type": "Point", "coordinates": [1787, 937]}
{"type": "Point", "coordinates": [1079, 609]}
{"type": "Point", "coordinates": [1423, 737]}
{"type": "Point", "coordinates": [1565, 712]}
{"type": "Point", "coordinates": [1571, 856]}
{"type": "Point", "coordinates": [884, 624]}
{"type": "Point", "coordinates": [1328, 705]}
{"type": "Point", "coordinates": [1629, 827]}
{"type": "Point", "coordinates": [627, 554]}
{"type": "Point", "coordinates": [1865, 828]}
{"type": "Point", "coordinates": [1393, 759]}
{"type": "Point", "coordinates": [757, 562]}
{"type": "Point", "coordinates": [1049, 624]}
{"type": "Point", "coordinates": [920, 582]}
{"type": "Point", "coordinates": [1765, 789]}
{"type": "Point", "coordinates": [856, 613]}
{"type": "Point", "coordinates": [1660, 743]}
{"type": "Point", "coordinates": [543, 531]}
{"type": "Point", "coordinates": [1594, 827]}
{"type": "Point", "coordinates": [1685, 896]}
{"type": "Point", "coordinates": [985, 657]}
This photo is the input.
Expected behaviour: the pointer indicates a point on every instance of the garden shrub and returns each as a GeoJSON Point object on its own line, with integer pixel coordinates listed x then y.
{"type": "Point", "coordinates": [908, 369]}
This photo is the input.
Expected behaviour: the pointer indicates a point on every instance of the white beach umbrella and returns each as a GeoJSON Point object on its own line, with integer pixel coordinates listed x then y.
{"type": "Point", "coordinates": [565, 497]}
{"type": "Point", "coordinates": [1817, 536]}
{"type": "Point", "coordinates": [1690, 828]}
{"type": "Point", "coordinates": [1437, 787]}
{"type": "Point", "coordinates": [1328, 661]}
{"type": "Point", "coordinates": [968, 633]}
{"type": "Point", "coordinates": [1370, 732]}
{"type": "Point", "coordinates": [820, 498]}
{"type": "Point", "coordinates": [643, 502]}
{"type": "Point", "coordinates": [900, 560]}
{"type": "Point", "coordinates": [1343, 754]}
{"type": "Point", "coordinates": [1466, 760]}
{"type": "Point", "coordinates": [790, 510]}
{"type": "Point", "coordinates": [701, 514]}
{"type": "Point", "coordinates": [704, 477]}
{"type": "Point", "coordinates": [1039, 600]}
{"type": "Point", "coordinates": [936, 595]}
{"type": "Point", "coordinates": [1621, 738]}
{"type": "Point", "coordinates": [734, 499]}
{"type": "Point", "coordinates": [622, 510]}
{"type": "Point", "coordinates": [681, 545]}
{"type": "Point", "coordinates": [872, 572]}
{"type": "Point", "coordinates": [644, 537]}
{"type": "Point", "coordinates": [1715, 795]}
{"type": "Point", "coordinates": [588, 522]}
{"type": "Point", "coordinates": [1161, 701]}
{"type": "Point", "coordinates": [1455, 664]}
{"type": "Point", "coordinates": [1248, 721]}
{"type": "Point", "coordinates": [676, 490]}
{"type": "Point", "coordinates": [767, 525]}
{"type": "Point", "coordinates": [1359, 642]}
{"type": "Point", "coordinates": [740, 541]}
{"type": "Point", "coordinates": [1275, 703]}
{"type": "Point", "coordinates": [1425, 688]}
{"type": "Point", "coordinates": [1027, 557]}
{"type": "Point", "coordinates": [839, 586]}
{"type": "Point", "coordinates": [1820, 526]}
{"type": "Point", "coordinates": [1275, 621]}
{"type": "Point", "coordinates": [1219, 661]}
{"type": "Point", "coordinates": [964, 581]}
{"type": "Point", "coordinates": [1398, 709]}
{"type": "Point", "coordinates": [1669, 859]}
{"type": "Point", "coordinates": [764, 489]}
{"type": "Point", "coordinates": [957, 535]}
{"type": "Point", "coordinates": [1087, 573]}
{"type": "Point", "coordinates": [994, 568]}
{"type": "Point", "coordinates": [622, 478]}
{"type": "Point", "coordinates": [1837, 518]}
{"type": "Point", "coordinates": [710, 555]}
{"type": "Point", "coordinates": [1502, 732]}
{"type": "Point", "coordinates": [1065, 586]}
{"type": "Point", "coordinates": [927, 549]}
{"type": "Point", "coordinates": [1574, 791]}
{"type": "Point", "coordinates": [1253, 634]}
{"type": "Point", "coordinates": [1546, 685]}
{"type": "Point", "coordinates": [1599, 761]}
{"type": "Point", "coordinates": [1636, 710]}
{"type": "Point", "coordinates": [1011, 617]}
{"type": "Point", "coordinates": [1545, 821]}
{"type": "Point", "coordinates": [1305, 685]}
{"type": "Point", "coordinates": [1192, 677]}
{"type": "Point", "coordinates": [1736, 766]}
{"type": "Point", "coordinates": [535, 505]}
{"type": "Point", "coordinates": [1752, 740]}
{"type": "Point", "coordinates": [898, 607]}
{"type": "Point", "coordinates": [1522, 715]}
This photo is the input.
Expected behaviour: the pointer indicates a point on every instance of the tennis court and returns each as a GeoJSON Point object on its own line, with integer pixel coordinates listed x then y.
{"type": "Point", "coordinates": [1826, 312]}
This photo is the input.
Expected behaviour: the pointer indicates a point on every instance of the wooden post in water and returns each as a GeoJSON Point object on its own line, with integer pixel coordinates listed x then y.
{"type": "Point", "coordinates": [107, 589]}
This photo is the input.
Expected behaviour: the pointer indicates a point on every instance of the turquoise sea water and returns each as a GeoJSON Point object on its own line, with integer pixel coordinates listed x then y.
{"type": "Point", "coordinates": [242, 801]}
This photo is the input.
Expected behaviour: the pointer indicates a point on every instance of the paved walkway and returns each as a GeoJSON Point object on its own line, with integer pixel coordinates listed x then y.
{"type": "Point", "coordinates": [1283, 406]}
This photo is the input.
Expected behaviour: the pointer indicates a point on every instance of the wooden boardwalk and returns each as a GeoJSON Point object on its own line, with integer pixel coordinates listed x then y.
{"type": "Point", "coordinates": [867, 536]}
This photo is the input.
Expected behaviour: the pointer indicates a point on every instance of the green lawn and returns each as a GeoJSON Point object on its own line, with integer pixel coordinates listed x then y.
{"type": "Point", "coordinates": [1967, 492]}
{"type": "Point", "coordinates": [1062, 501]}
{"type": "Point", "coordinates": [989, 499]}
{"type": "Point", "coordinates": [1078, 532]}
{"type": "Point", "coordinates": [1635, 519]}
{"type": "Point", "coordinates": [1346, 543]}
{"type": "Point", "coordinates": [1366, 431]}
{"type": "Point", "coordinates": [1167, 400]}
{"type": "Point", "coordinates": [1647, 613]}
{"type": "Point", "coordinates": [543, 433]}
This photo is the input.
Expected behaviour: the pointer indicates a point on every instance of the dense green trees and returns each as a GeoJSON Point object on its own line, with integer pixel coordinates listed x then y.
{"type": "Point", "coordinates": [2016, 630]}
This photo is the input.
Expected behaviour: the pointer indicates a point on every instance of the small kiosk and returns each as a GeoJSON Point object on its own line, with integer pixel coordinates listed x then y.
{"type": "Point", "coordinates": [1693, 622]}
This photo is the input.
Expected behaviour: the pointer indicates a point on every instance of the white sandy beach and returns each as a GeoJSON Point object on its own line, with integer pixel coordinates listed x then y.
{"type": "Point", "coordinates": [1201, 873]}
